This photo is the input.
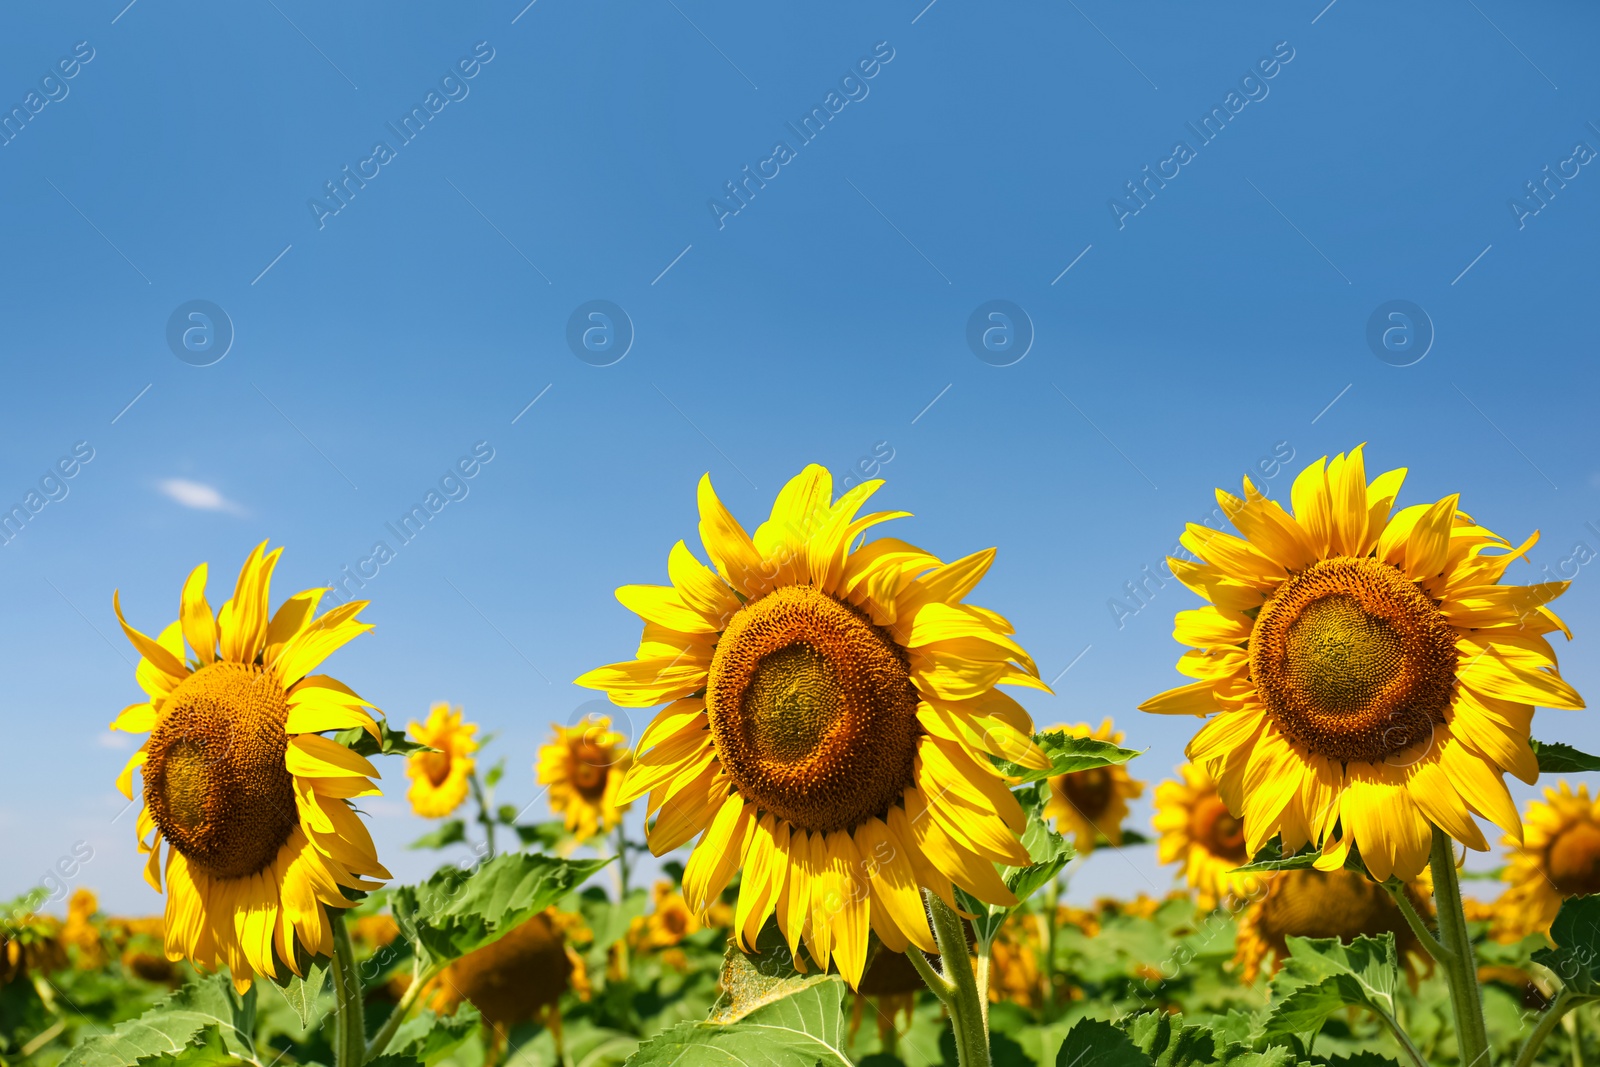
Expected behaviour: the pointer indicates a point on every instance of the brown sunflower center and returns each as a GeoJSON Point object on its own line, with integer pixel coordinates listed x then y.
{"type": "Point", "coordinates": [436, 765]}
{"type": "Point", "coordinates": [1213, 826]}
{"type": "Point", "coordinates": [215, 781]}
{"type": "Point", "coordinates": [1340, 904]}
{"type": "Point", "coordinates": [1573, 860]}
{"type": "Point", "coordinates": [812, 710]}
{"type": "Point", "coordinates": [1353, 660]}
{"type": "Point", "coordinates": [1090, 791]}
{"type": "Point", "coordinates": [590, 764]}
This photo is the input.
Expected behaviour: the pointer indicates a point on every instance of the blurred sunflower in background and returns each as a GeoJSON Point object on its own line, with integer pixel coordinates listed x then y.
{"type": "Point", "coordinates": [1091, 805]}
{"type": "Point", "coordinates": [440, 779]}
{"type": "Point", "coordinates": [1198, 831]}
{"type": "Point", "coordinates": [252, 801]}
{"type": "Point", "coordinates": [1365, 675]}
{"type": "Point", "coordinates": [517, 978]}
{"type": "Point", "coordinates": [583, 766]}
{"type": "Point", "coordinates": [827, 701]}
{"type": "Point", "coordinates": [1312, 903]}
{"type": "Point", "coordinates": [1558, 857]}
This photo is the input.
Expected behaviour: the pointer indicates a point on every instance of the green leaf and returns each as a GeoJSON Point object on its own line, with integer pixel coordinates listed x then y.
{"type": "Point", "coordinates": [455, 911]}
{"type": "Point", "coordinates": [390, 742]}
{"type": "Point", "coordinates": [1576, 932]}
{"type": "Point", "coordinates": [506, 815]}
{"type": "Point", "coordinates": [751, 980]}
{"type": "Point", "coordinates": [492, 779]}
{"type": "Point", "coordinates": [1563, 759]}
{"type": "Point", "coordinates": [171, 1028]}
{"type": "Point", "coordinates": [1067, 754]}
{"type": "Point", "coordinates": [1271, 858]}
{"type": "Point", "coordinates": [544, 834]}
{"type": "Point", "coordinates": [449, 833]}
{"type": "Point", "coordinates": [1325, 975]}
{"type": "Point", "coordinates": [1096, 1043]}
{"type": "Point", "coordinates": [429, 1038]}
{"type": "Point", "coordinates": [205, 1049]}
{"type": "Point", "coordinates": [1362, 1059]}
{"type": "Point", "coordinates": [1049, 851]}
{"type": "Point", "coordinates": [304, 994]}
{"type": "Point", "coordinates": [803, 1026]}
{"type": "Point", "coordinates": [1169, 1043]}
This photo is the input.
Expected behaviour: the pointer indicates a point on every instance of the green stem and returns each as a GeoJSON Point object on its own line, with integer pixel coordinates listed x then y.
{"type": "Point", "coordinates": [967, 1009]}
{"type": "Point", "coordinates": [1461, 969]}
{"type": "Point", "coordinates": [1415, 921]}
{"type": "Point", "coordinates": [937, 983]}
{"type": "Point", "coordinates": [1052, 906]}
{"type": "Point", "coordinates": [622, 862]}
{"type": "Point", "coordinates": [1565, 1001]}
{"type": "Point", "coordinates": [350, 1031]}
{"type": "Point", "coordinates": [1399, 1032]}
{"type": "Point", "coordinates": [419, 981]}
{"type": "Point", "coordinates": [484, 816]}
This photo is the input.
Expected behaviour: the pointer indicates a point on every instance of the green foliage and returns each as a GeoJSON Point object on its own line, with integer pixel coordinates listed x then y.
{"type": "Point", "coordinates": [205, 1049]}
{"type": "Point", "coordinates": [1563, 759]}
{"type": "Point", "coordinates": [1324, 976]}
{"type": "Point", "coordinates": [389, 742]}
{"type": "Point", "coordinates": [429, 1038]}
{"type": "Point", "coordinates": [1067, 754]}
{"type": "Point", "coordinates": [1271, 859]}
{"type": "Point", "coordinates": [450, 832]}
{"type": "Point", "coordinates": [456, 911]}
{"type": "Point", "coordinates": [1576, 932]}
{"type": "Point", "coordinates": [1049, 851]}
{"type": "Point", "coordinates": [304, 994]}
{"type": "Point", "coordinates": [799, 1025]}
{"type": "Point", "coordinates": [177, 1027]}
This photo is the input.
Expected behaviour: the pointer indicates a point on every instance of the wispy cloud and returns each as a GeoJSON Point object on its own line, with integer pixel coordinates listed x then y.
{"type": "Point", "coordinates": [198, 495]}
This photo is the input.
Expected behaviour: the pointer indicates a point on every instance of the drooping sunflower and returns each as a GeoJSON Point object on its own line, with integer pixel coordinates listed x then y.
{"type": "Point", "coordinates": [1365, 675]}
{"type": "Point", "coordinates": [832, 713]}
{"type": "Point", "coordinates": [584, 766]}
{"type": "Point", "coordinates": [1312, 903]}
{"type": "Point", "coordinates": [439, 779]}
{"type": "Point", "coordinates": [1559, 857]}
{"type": "Point", "coordinates": [1198, 831]}
{"type": "Point", "coordinates": [1092, 804]}
{"type": "Point", "coordinates": [251, 800]}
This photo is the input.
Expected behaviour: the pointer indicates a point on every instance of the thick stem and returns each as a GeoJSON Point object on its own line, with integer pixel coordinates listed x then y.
{"type": "Point", "coordinates": [419, 982]}
{"type": "Point", "coordinates": [484, 815]}
{"type": "Point", "coordinates": [350, 1030]}
{"type": "Point", "coordinates": [1052, 908]}
{"type": "Point", "coordinates": [937, 984]}
{"type": "Point", "coordinates": [1415, 921]}
{"type": "Point", "coordinates": [967, 1009]}
{"type": "Point", "coordinates": [1461, 969]}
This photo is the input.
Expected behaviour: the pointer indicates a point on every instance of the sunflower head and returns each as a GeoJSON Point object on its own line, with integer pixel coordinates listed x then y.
{"type": "Point", "coordinates": [669, 921]}
{"type": "Point", "coordinates": [439, 778]}
{"type": "Point", "coordinates": [1311, 903]}
{"type": "Point", "coordinates": [1365, 674]}
{"type": "Point", "coordinates": [831, 710]}
{"type": "Point", "coordinates": [1197, 830]}
{"type": "Point", "coordinates": [583, 765]}
{"type": "Point", "coordinates": [1558, 857]}
{"type": "Point", "coordinates": [512, 980]}
{"type": "Point", "coordinates": [251, 801]}
{"type": "Point", "coordinates": [1091, 805]}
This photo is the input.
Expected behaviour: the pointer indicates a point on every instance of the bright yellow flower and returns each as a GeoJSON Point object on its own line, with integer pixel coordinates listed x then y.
{"type": "Point", "coordinates": [832, 713]}
{"type": "Point", "coordinates": [669, 921]}
{"type": "Point", "coordinates": [1559, 857]}
{"type": "Point", "coordinates": [439, 780]}
{"type": "Point", "coordinates": [584, 767]}
{"type": "Point", "coordinates": [1197, 830]}
{"type": "Point", "coordinates": [1091, 804]}
{"type": "Point", "coordinates": [1365, 675]}
{"type": "Point", "coordinates": [80, 930]}
{"type": "Point", "coordinates": [252, 800]}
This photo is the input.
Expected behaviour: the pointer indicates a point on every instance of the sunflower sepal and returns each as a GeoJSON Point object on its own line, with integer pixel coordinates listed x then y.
{"type": "Point", "coordinates": [1067, 755]}
{"type": "Point", "coordinates": [1557, 758]}
{"type": "Point", "coordinates": [389, 742]}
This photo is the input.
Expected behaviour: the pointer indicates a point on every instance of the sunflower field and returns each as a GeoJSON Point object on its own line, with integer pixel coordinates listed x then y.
{"type": "Point", "coordinates": [859, 844]}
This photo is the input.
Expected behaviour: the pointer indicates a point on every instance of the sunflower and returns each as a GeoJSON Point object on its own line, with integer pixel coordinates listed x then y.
{"type": "Point", "coordinates": [81, 932]}
{"type": "Point", "coordinates": [825, 696]}
{"type": "Point", "coordinates": [1197, 830]}
{"type": "Point", "coordinates": [1365, 674]}
{"type": "Point", "coordinates": [1092, 804]}
{"type": "Point", "coordinates": [669, 921]}
{"type": "Point", "coordinates": [252, 800]}
{"type": "Point", "coordinates": [439, 778]}
{"type": "Point", "coordinates": [1014, 966]}
{"type": "Point", "coordinates": [1312, 903]}
{"type": "Point", "coordinates": [1559, 857]}
{"type": "Point", "coordinates": [583, 767]}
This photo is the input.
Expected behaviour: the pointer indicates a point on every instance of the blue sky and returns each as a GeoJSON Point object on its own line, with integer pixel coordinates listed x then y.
{"type": "Point", "coordinates": [985, 158]}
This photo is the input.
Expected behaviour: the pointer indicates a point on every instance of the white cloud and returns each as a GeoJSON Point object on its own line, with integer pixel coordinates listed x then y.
{"type": "Point", "coordinates": [198, 495]}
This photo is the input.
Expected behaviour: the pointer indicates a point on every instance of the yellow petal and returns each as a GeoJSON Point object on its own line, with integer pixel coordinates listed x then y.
{"type": "Point", "coordinates": [199, 625]}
